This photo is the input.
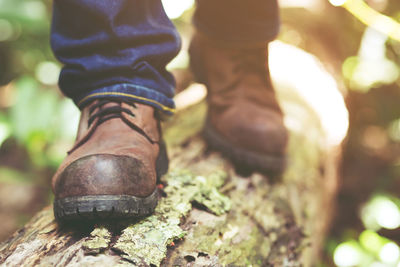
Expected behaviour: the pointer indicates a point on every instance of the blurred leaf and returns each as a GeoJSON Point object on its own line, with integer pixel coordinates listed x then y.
{"type": "Point", "coordinates": [31, 14]}
{"type": "Point", "coordinates": [33, 111]}
{"type": "Point", "coordinates": [43, 122]}
{"type": "Point", "coordinates": [11, 176]}
{"type": "Point", "coordinates": [372, 242]}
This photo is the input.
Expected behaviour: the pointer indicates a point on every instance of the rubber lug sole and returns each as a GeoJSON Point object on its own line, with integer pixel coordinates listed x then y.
{"type": "Point", "coordinates": [109, 207]}
{"type": "Point", "coordinates": [245, 160]}
{"type": "Point", "coordinates": [104, 207]}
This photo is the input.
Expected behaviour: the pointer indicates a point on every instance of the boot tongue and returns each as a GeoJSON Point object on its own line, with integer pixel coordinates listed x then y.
{"type": "Point", "coordinates": [126, 113]}
{"type": "Point", "coordinates": [104, 110]}
{"type": "Point", "coordinates": [137, 116]}
{"type": "Point", "coordinates": [111, 104]}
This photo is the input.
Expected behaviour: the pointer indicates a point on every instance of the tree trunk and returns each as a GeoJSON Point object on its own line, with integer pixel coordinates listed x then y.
{"type": "Point", "coordinates": [209, 215]}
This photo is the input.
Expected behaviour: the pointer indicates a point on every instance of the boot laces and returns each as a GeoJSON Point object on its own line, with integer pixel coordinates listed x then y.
{"type": "Point", "coordinates": [104, 113]}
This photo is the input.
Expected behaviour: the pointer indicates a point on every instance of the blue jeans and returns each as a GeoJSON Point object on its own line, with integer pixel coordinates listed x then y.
{"type": "Point", "coordinates": [120, 48]}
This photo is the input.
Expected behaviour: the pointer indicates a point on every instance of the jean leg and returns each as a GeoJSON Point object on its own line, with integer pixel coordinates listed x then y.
{"type": "Point", "coordinates": [238, 21]}
{"type": "Point", "coordinates": [115, 48]}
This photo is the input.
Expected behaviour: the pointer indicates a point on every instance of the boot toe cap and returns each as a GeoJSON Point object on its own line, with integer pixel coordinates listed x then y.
{"type": "Point", "coordinates": [262, 131]}
{"type": "Point", "coordinates": [105, 174]}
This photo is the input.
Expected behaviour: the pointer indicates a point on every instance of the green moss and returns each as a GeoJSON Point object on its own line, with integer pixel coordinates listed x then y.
{"type": "Point", "coordinates": [99, 241]}
{"type": "Point", "coordinates": [147, 241]}
{"type": "Point", "coordinates": [239, 243]}
{"type": "Point", "coordinates": [243, 239]}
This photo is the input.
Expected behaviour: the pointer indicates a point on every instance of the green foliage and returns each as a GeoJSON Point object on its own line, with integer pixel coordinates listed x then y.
{"type": "Point", "coordinates": [41, 121]}
{"type": "Point", "coordinates": [371, 248]}
{"type": "Point", "coordinates": [24, 36]}
{"type": "Point", "coordinates": [372, 76]}
{"type": "Point", "coordinates": [37, 118]}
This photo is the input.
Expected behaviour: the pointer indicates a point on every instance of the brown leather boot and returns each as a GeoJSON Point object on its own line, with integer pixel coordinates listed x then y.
{"type": "Point", "coordinates": [112, 170]}
{"type": "Point", "coordinates": [244, 119]}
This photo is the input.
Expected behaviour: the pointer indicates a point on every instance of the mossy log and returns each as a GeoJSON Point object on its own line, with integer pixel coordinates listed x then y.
{"type": "Point", "coordinates": [209, 215]}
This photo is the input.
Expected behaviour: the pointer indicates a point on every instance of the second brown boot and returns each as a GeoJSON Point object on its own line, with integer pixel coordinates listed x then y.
{"type": "Point", "coordinates": [112, 170]}
{"type": "Point", "coordinates": [244, 119]}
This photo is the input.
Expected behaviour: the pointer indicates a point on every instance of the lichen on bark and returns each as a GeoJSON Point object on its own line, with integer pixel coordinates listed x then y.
{"type": "Point", "coordinates": [147, 241]}
{"type": "Point", "coordinates": [98, 241]}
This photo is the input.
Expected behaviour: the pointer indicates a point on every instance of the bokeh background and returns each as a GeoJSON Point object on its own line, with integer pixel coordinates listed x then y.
{"type": "Point", "coordinates": [38, 125]}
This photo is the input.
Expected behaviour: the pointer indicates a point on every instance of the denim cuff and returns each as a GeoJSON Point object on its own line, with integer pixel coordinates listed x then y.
{"type": "Point", "coordinates": [135, 93]}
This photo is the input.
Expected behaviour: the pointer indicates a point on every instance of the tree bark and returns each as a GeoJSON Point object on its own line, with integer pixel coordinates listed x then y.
{"type": "Point", "coordinates": [208, 214]}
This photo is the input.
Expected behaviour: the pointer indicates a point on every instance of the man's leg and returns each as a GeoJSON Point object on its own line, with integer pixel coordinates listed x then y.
{"type": "Point", "coordinates": [238, 21]}
{"type": "Point", "coordinates": [229, 54]}
{"type": "Point", "coordinates": [115, 48]}
{"type": "Point", "coordinates": [115, 53]}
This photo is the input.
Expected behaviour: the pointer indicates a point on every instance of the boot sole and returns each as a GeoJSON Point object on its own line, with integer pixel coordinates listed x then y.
{"type": "Point", "coordinates": [106, 207]}
{"type": "Point", "coordinates": [245, 161]}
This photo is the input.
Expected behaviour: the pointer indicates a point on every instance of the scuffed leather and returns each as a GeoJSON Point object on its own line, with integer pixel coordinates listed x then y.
{"type": "Point", "coordinates": [115, 160]}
